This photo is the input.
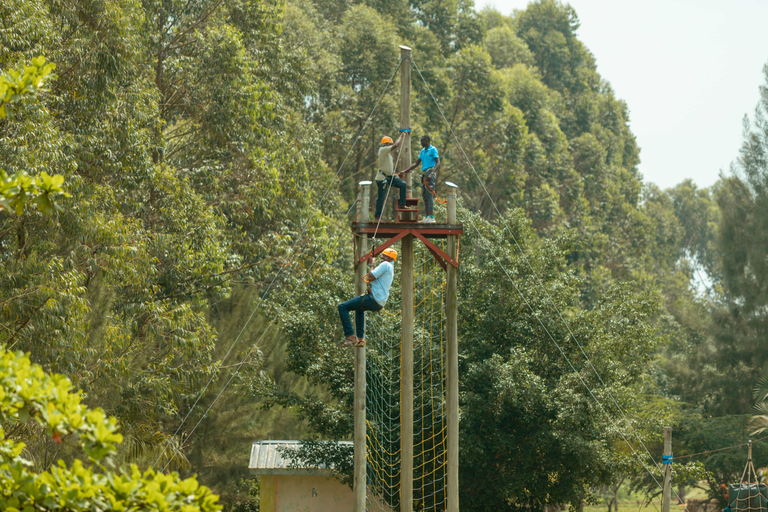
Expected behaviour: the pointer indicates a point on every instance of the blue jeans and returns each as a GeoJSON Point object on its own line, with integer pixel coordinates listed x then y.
{"type": "Point", "coordinates": [360, 305]}
{"type": "Point", "coordinates": [428, 178]}
{"type": "Point", "coordinates": [383, 186]}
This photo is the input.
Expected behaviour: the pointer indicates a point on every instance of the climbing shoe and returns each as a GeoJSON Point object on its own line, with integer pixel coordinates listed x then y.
{"type": "Point", "coordinates": [351, 341]}
{"type": "Point", "coordinates": [360, 343]}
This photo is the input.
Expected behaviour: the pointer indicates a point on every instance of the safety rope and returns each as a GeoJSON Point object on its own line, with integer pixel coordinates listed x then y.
{"type": "Point", "coordinates": [426, 184]}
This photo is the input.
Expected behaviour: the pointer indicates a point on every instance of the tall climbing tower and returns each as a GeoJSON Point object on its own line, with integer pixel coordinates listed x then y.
{"type": "Point", "coordinates": [396, 467]}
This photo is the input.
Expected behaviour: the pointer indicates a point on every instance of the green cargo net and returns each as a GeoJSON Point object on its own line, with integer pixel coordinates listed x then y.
{"type": "Point", "coordinates": [383, 393]}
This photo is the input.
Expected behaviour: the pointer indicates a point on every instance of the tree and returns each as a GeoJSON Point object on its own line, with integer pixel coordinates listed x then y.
{"type": "Point", "coordinates": [28, 395]}
{"type": "Point", "coordinates": [738, 313]}
{"type": "Point", "coordinates": [186, 171]}
{"type": "Point", "coordinates": [506, 49]}
{"type": "Point", "coordinates": [539, 400]}
{"type": "Point", "coordinates": [198, 140]}
{"type": "Point", "coordinates": [20, 189]}
{"type": "Point", "coordinates": [549, 29]}
{"type": "Point", "coordinates": [517, 390]}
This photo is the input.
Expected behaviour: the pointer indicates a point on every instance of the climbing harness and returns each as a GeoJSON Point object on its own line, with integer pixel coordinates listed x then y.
{"type": "Point", "coordinates": [389, 185]}
{"type": "Point", "coordinates": [366, 280]}
{"type": "Point", "coordinates": [424, 182]}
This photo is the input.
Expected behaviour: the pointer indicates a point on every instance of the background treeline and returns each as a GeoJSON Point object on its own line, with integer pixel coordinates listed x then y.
{"type": "Point", "coordinates": [212, 150]}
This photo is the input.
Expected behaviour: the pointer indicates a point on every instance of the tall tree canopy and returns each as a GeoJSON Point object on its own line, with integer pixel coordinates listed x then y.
{"type": "Point", "coordinates": [203, 156]}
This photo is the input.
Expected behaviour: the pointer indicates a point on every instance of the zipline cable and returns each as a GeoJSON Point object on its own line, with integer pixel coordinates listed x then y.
{"type": "Point", "coordinates": [719, 449]}
{"type": "Point", "coordinates": [474, 171]}
{"type": "Point", "coordinates": [266, 292]}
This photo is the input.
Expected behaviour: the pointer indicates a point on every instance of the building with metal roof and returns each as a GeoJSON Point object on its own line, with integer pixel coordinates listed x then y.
{"type": "Point", "coordinates": [287, 487]}
{"type": "Point", "coordinates": [271, 458]}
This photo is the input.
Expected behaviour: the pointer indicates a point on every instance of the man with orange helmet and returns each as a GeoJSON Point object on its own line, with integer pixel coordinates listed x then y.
{"type": "Point", "coordinates": [386, 176]}
{"type": "Point", "coordinates": [380, 280]}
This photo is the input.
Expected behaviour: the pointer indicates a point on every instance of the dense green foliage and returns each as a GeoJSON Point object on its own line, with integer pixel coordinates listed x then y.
{"type": "Point", "coordinates": [28, 394]}
{"type": "Point", "coordinates": [173, 239]}
{"type": "Point", "coordinates": [175, 166]}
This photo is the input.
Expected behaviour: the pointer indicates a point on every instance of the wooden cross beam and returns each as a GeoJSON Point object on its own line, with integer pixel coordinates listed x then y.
{"type": "Point", "coordinates": [440, 255]}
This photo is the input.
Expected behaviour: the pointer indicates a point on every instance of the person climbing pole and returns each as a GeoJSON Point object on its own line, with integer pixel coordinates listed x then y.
{"type": "Point", "coordinates": [375, 298]}
{"type": "Point", "coordinates": [430, 163]}
{"type": "Point", "coordinates": [386, 176]}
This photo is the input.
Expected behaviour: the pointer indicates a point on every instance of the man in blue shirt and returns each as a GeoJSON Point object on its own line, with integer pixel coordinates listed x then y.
{"type": "Point", "coordinates": [374, 299]}
{"type": "Point", "coordinates": [430, 163]}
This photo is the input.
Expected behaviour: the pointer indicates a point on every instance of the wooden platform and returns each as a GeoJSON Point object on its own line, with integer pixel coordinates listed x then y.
{"type": "Point", "coordinates": [394, 231]}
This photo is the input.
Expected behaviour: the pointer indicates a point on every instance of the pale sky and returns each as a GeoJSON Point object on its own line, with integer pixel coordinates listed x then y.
{"type": "Point", "coordinates": [688, 70]}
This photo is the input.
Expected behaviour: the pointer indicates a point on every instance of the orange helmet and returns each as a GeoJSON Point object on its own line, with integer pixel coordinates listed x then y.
{"type": "Point", "coordinates": [387, 140]}
{"type": "Point", "coordinates": [390, 252]}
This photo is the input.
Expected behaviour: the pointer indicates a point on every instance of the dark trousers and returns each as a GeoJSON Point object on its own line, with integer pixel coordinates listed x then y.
{"type": "Point", "coordinates": [383, 187]}
{"type": "Point", "coordinates": [428, 178]}
{"type": "Point", "coordinates": [359, 305]}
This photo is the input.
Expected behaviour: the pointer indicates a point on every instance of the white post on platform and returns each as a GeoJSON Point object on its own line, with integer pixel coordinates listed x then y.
{"type": "Point", "coordinates": [452, 359]}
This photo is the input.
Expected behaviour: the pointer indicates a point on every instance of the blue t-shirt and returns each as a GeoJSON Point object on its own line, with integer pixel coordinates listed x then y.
{"type": "Point", "coordinates": [384, 274]}
{"type": "Point", "coordinates": [428, 157]}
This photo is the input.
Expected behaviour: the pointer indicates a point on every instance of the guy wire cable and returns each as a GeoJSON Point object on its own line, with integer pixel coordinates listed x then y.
{"type": "Point", "coordinates": [301, 233]}
{"type": "Point", "coordinates": [720, 449]}
{"type": "Point", "coordinates": [458, 142]}
{"type": "Point", "coordinates": [562, 352]}
{"type": "Point", "coordinates": [255, 345]}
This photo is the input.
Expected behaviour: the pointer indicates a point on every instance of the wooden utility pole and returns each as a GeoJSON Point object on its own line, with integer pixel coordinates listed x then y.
{"type": "Point", "coordinates": [666, 461]}
{"type": "Point", "coordinates": [360, 481]}
{"type": "Point", "coordinates": [452, 360]}
{"type": "Point", "coordinates": [406, 379]}
{"type": "Point", "coordinates": [406, 355]}
{"type": "Point", "coordinates": [405, 114]}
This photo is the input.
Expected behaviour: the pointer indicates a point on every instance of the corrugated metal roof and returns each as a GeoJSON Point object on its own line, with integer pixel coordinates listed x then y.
{"type": "Point", "coordinates": [267, 459]}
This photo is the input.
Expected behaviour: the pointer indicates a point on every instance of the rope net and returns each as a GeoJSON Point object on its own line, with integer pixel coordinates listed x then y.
{"type": "Point", "coordinates": [383, 334]}
{"type": "Point", "coordinates": [749, 495]}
